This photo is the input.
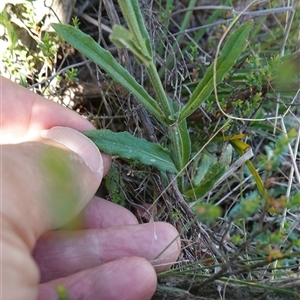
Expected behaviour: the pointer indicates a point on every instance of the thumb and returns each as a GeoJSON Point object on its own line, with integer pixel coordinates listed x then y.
{"type": "Point", "coordinates": [47, 182]}
{"type": "Point", "coordinates": [73, 175]}
{"type": "Point", "coordinates": [43, 184]}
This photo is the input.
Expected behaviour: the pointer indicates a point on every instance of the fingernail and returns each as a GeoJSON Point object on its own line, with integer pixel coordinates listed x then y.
{"type": "Point", "coordinates": [78, 143]}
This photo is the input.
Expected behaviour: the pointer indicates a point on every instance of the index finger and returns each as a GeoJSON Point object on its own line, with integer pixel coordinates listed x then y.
{"type": "Point", "coordinates": [24, 114]}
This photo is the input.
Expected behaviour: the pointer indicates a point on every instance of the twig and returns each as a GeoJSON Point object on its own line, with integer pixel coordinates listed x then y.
{"type": "Point", "coordinates": [58, 73]}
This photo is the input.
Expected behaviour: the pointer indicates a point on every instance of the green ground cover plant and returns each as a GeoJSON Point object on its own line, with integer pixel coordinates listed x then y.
{"type": "Point", "coordinates": [210, 140]}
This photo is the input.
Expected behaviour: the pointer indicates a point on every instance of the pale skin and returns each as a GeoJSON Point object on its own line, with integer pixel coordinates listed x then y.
{"type": "Point", "coordinates": [108, 255]}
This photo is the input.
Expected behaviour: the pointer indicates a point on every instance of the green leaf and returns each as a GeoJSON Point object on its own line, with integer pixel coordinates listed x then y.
{"type": "Point", "coordinates": [134, 19]}
{"type": "Point", "coordinates": [295, 200]}
{"type": "Point", "coordinates": [181, 148]}
{"type": "Point", "coordinates": [185, 142]}
{"type": "Point", "coordinates": [232, 49]}
{"type": "Point", "coordinates": [12, 35]}
{"type": "Point", "coordinates": [206, 161]}
{"type": "Point", "coordinates": [207, 182]}
{"type": "Point", "coordinates": [88, 47]}
{"type": "Point", "coordinates": [122, 38]}
{"type": "Point", "coordinates": [240, 148]}
{"type": "Point", "coordinates": [127, 146]}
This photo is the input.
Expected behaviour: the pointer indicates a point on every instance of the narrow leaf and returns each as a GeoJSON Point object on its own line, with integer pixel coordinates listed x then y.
{"type": "Point", "coordinates": [185, 142]}
{"type": "Point", "coordinates": [181, 146]}
{"type": "Point", "coordinates": [88, 47]}
{"type": "Point", "coordinates": [135, 21]}
{"type": "Point", "coordinates": [208, 181]}
{"type": "Point", "coordinates": [231, 51]}
{"type": "Point", "coordinates": [122, 38]}
{"type": "Point", "coordinates": [12, 34]}
{"type": "Point", "coordinates": [241, 148]}
{"type": "Point", "coordinates": [127, 146]}
{"type": "Point", "coordinates": [205, 162]}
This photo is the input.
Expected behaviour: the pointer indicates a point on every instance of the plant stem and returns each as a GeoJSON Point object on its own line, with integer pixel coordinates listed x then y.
{"type": "Point", "coordinates": [173, 128]}
{"type": "Point", "coordinates": [135, 22]}
{"type": "Point", "coordinates": [174, 136]}
{"type": "Point", "coordinates": [160, 93]}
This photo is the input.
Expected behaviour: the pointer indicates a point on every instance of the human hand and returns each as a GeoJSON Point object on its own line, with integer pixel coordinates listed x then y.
{"type": "Point", "coordinates": [48, 174]}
